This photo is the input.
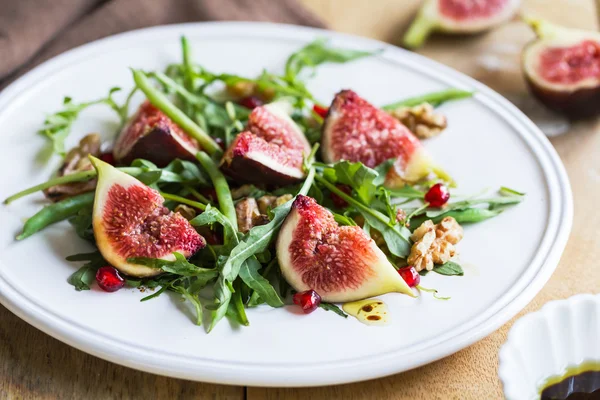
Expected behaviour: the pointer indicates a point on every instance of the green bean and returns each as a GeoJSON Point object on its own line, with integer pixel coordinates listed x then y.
{"type": "Point", "coordinates": [75, 177]}
{"type": "Point", "coordinates": [162, 102]}
{"type": "Point", "coordinates": [434, 98]}
{"type": "Point", "coordinates": [183, 200]}
{"type": "Point", "coordinates": [221, 187]}
{"type": "Point", "coordinates": [56, 212]}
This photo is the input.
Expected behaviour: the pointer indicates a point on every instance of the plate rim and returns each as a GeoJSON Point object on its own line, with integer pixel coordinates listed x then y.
{"type": "Point", "coordinates": [255, 375]}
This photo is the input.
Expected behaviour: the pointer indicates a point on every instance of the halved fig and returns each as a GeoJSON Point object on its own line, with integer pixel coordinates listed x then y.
{"type": "Point", "coordinates": [129, 220]}
{"type": "Point", "coordinates": [458, 16]}
{"type": "Point", "coordinates": [562, 68]}
{"type": "Point", "coordinates": [270, 151]}
{"type": "Point", "coordinates": [341, 263]}
{"type": "Point", "coordinates": [355, 130]}
{"type": "Point", "coordinates": [153, 136]}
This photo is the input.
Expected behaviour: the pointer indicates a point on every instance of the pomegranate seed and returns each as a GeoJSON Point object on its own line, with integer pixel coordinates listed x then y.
{"type": "Point", "coordinates": [322, 111]}
{"type": "Point", "coordinates": [337, 200]}
{"type": "Point", "coordinates": [108, 279]}
{"type": "Point", "coordinates": [308, 300]}
{"type": "Point", "coordinates": [437, 195]}
{"type": "Point", "coordinates": [410, 276]}
{"type": "Point", "coordinates": [108, 158]}
{"type": "Point", "coordinates": [250, 102]}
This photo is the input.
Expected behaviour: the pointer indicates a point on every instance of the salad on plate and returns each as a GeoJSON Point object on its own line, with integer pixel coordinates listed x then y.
{"type": "Point", "coordinates": [236, 192]}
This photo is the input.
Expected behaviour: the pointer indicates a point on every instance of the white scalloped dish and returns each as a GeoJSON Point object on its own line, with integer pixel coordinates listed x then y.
{"type": "Point", "coordinates": [550, 343]}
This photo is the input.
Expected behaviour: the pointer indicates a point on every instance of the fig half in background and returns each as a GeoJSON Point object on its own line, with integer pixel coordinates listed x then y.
{"type": "Point", "coordinates": [153, 136]}
{"type": "Point", "coordinates": [129, 220]}
{"type": "Point", "coordinates": [341, 263]}
{"type": "Point", "coordinates": [562, 68]}
{"type": "Point", "coordinates": [355, 130]}
{"type": "Point", "coordinates": [458, 16]}
{"type": "Point", "coordinates": [270, 151]}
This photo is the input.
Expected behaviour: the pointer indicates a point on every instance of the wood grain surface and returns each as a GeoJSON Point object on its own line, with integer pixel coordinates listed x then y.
{"type": "Point", "coordinates": [34, 365]}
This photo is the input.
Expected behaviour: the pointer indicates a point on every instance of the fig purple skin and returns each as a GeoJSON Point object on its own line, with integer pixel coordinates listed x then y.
{"type": "Point", "coordinates": [562, 69]}
{"type": "Point", "coordinates": [153, 136]}
{"type": "Point", "coordinates": [458, 17]}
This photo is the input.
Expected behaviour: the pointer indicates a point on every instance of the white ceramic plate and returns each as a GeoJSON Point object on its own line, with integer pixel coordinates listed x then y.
{"type": "Point", "coordinates": [489, 143]}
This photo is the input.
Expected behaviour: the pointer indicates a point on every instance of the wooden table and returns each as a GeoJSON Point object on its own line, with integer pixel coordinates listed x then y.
{"type": "Point", "coordinates": [33, 365]}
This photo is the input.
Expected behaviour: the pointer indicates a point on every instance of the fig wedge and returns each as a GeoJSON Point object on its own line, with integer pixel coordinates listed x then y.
{"type": "Point", "coordinates": [129, 220]}
{"type": "Point", "coordinates": [341, 263]}
{"type": "Point", "coordinates": [355, 130]}
{"type": "Point", "coordinates": [270, 151]}
{"type": "Point", "coordinates": [562, 69]}
{"type": "Point", "coordinates": [153, 136]}
{"type": "Point", "coordinates": [458, 17]}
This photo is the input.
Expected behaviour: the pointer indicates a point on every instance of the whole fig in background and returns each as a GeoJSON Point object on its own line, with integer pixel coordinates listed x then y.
{"type": "Point", "coordinates": [341, 263]}
{"type": "Point", "coordinates": [271, 151]}
{"type": "Point", "coordinates": [354, 130]}
{"type": "Point", "coordinates": [458, 16]}
{"type": "Point", "coordinates": [562, 69]}
{"type": "Point", "coordinates": [153, 136]}
{"type": "Point", "coordinates": [129, 220]}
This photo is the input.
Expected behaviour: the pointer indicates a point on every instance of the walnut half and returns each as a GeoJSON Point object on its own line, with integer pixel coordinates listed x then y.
{"type": "Point", "coordinates": [421, 120]}
{"type": "Point", "coordinates": [434, 243]}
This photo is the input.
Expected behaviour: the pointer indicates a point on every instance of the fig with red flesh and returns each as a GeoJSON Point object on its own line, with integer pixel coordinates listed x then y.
{"type": "Point", "coordinates": [341, 263]}
{"type": "Point", "coordinates": [562, 69]}
{"type": "Point", "coordinates": [458, 16]}
{"type": "Point", "coordinates": [153, 136]}
{"type": "Point", "coordinates": [355, 130]}
{"type": "Point", "coordinates": [270, 151]}
{"type": "Point", "coordinates": [129, 220]}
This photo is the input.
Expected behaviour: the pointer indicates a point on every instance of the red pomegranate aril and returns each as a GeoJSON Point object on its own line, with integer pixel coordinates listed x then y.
{"type": "Point", "coordinates": [250, 102]}
{"type": "Point", "coordinates": [309, 300]}
{"type": "Point", "coordinates": [410, 276]}
{"type": "Point", "coordinates": [109, 279]}
{"type": "Point", "coordinates": [107, 158]}
{"type": "Point", "coordinates": [337, 200]}
{"type": "Point", "coordinates": [322, 111]}
{"type": "Point", "coordinates": [438, 195]}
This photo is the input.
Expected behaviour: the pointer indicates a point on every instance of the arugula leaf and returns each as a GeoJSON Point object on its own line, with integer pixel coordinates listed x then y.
{"type": "Point", "coordinates": [435, 99]}
{"type": "Point", "coordinates": [82, 222]}
{"type": "Point", "coordinates": [212, 215]}
{"type": "Point", "coordinates": [356, 175]}
{"type": "Point", "coordinates": [334, 308]}
{"type": "Point", "coordinates": [318, 52]}
{"type": "Point", "coordinates": [396, 237]}
{"type": "Point", "coordinates": [181, 266]}
{"type": "Point", "coordinates": [470, 215]}
{"type": "Point", "coordinates": [58, 125]}
{"type": "Point", "coordinates": [343, 219]}
{"type": "Point", "coordinates": [86, 274]}
{"type": "Point", "coordinates": [251, 277]}
{"type": "Point", "coordinates": [449, 269]}
{"type": "Point", "coordinates": [259, 237]}
{"type": "Point", "coordinates": [510, 192]}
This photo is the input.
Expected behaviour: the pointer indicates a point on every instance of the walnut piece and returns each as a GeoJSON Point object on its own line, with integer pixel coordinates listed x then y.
{"type": "Point", "coordinates": [186, 212]}
{"type": "Point", "coordinates": [421, 120]}
{"type": "Point", "coordinates": [434, 244]}
{"type": "Point", "coordinates": [76, 160]}
{"type": "Point", "coordinates": [246, 211]}
{"type": "Point", "coordinates": [251, 213]}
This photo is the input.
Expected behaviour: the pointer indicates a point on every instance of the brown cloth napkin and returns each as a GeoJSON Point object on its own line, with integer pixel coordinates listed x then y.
{"type": "Point", "coordinates": [32, 31]}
